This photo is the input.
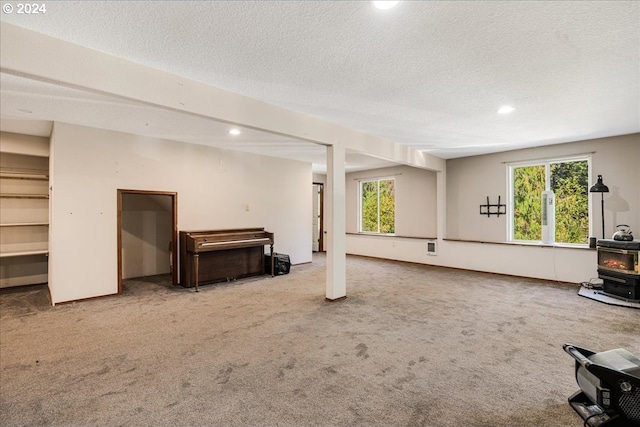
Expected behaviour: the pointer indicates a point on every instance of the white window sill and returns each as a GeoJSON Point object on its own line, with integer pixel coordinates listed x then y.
{"type": "Point", "coordinates": [525, 243]}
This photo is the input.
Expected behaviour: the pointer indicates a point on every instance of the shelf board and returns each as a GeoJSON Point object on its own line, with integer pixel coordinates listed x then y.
{"type": "Point", "coordinates": [25, 224]}
{"type": "Point", "coordinates": [33, 174]}
{"type": "Point", "coordinates": [24, 253]}
{"type": "Point", "coordinates": [19, 148]}
{"type": "Point", "coordinates": [23, 196]}
{"type": "Point", "coordinates": [32, 177]}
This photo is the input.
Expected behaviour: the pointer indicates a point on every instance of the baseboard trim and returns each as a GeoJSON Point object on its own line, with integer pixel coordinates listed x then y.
{"type": "Point", "coordinates": [73, 301]}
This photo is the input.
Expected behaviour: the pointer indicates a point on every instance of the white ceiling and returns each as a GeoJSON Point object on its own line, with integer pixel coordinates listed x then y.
{"type": "Point", "coordinates": [428, 74]}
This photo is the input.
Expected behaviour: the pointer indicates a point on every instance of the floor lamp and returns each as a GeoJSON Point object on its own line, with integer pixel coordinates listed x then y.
{"type": "Point", "coordinates": [599, 187]}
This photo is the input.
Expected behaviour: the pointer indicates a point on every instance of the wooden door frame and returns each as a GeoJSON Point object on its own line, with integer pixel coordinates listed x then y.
{"type": "Point", "coordinates": [321, 206]}
{"type": "Point", "coordinates": [174, 232]}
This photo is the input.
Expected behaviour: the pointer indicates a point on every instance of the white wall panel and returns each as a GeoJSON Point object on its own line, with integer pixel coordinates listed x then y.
{"type": "Point", "coordinates": [470, 180]}
{"type": "Point", "coordinates": [216, 189]}
{"type": "Point", "coordinates": [542, 262]}
{"type": "Point", "coordinates": [415, 199]}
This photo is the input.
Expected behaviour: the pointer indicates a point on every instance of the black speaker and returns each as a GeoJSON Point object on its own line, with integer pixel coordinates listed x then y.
{"type": "Point", "coordinates": [281, 264]}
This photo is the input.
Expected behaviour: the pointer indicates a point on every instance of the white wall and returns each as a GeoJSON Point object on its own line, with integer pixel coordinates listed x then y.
{"type": "Point", "coordinates": [470, 180]}
{"type": "Point", "coordinates": [542, 262]}
{"type": "Point", "coordinates": [319, 178]}
{"type": "Point", "coordinates": [415, 199]}
{"type": "Point", "coordinates": [216, 189]}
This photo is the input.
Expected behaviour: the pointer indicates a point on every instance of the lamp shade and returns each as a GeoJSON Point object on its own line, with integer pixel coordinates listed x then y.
{"type": "Point", "coordinates": [599, 187]}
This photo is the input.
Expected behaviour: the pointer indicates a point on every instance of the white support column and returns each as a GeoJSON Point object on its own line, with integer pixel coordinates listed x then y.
{"type": "Point", "coordinates": [336, 224]}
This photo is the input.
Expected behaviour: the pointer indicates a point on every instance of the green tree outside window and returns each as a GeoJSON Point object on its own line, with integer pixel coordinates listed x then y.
{"type": "Point", "coordinates": [377, 206]}
{"type": "Point", "coordinates": [569, 182]}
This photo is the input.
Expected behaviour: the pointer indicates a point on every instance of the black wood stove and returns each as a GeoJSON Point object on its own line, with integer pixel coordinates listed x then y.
{"type": "Point", "coordinates": [618, 268]}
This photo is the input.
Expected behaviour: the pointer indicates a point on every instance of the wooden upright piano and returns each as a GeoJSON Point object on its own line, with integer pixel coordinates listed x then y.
{"type": "Point", "coordinates": [220, 255]}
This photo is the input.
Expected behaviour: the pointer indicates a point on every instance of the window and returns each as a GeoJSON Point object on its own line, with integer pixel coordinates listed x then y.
{"type": "Point", "coordinates": [378, 206]}
{"type": "Point", "coordinates": [569, 181]}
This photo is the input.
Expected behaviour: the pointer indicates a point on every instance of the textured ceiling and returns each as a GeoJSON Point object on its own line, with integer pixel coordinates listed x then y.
{"type": "Point", "coordinates": [429, 74]}
{"type": "Point", "coordinates": [29, 98]}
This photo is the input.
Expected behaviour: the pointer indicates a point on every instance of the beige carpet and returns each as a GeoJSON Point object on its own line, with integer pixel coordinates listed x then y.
{"type": "Point", "coordinates": [412, 345]}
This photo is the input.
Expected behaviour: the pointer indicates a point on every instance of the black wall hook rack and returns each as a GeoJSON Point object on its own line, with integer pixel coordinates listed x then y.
{"type": "Point", "coordinates": [489, 209]}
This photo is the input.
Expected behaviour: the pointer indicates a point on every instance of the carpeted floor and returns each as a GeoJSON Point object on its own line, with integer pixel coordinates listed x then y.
{"type": "Point", "coordinates": [412, 345]}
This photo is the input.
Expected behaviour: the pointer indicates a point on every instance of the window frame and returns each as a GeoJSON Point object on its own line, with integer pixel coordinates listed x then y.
{"type": "Point", "coordinates": [363, 181]}
{"type": "Point", "coordinates": [547, 164]}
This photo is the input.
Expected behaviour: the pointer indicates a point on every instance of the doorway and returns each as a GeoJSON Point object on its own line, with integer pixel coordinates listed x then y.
{"type": "Point", "coordinates": [147, 234]}
{"type": "Point", "coordinates": [317, 218]}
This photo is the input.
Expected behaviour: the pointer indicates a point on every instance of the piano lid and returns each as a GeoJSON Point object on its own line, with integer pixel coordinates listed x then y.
{"type": "Point", "coordinates": [212, 240]}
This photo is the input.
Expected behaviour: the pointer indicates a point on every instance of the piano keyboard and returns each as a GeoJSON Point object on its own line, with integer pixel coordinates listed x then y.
{"type": "Point", "coordinates": [231, 242]}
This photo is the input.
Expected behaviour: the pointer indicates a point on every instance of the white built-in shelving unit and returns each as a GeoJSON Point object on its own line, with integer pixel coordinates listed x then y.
{"type": "Point", "coordinates": [24, 209]}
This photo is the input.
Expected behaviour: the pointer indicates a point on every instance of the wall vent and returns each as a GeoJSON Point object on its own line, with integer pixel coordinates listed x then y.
{"type": "Point", "coordinates": [431, 247]}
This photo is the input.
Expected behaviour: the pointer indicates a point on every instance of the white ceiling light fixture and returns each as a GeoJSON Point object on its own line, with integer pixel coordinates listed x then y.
{"type": "Point", "coordinates": [234, 131]}
{"type": "Point", "coordinates": [506, 109]}
{"type": "Point", "coordinates": [383, 5]}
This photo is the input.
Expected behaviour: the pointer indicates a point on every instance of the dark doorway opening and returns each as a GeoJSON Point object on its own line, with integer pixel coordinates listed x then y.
{"type": "Point", "coordinates": [318, 218]}
{"type": "Point", "coordinates": [147, 234]}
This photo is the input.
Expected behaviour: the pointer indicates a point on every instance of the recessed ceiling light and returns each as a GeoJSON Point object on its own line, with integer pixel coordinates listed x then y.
{"type": "Point", "coordinates": [506, 109]}
{"type": "Point", "coordinates": [234, 131]}
{"type": "Point", "coordinates": [385, 4]}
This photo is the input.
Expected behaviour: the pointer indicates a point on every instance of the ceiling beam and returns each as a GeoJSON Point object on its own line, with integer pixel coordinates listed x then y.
{"type": "Point", "coordinates": [45, 58]}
